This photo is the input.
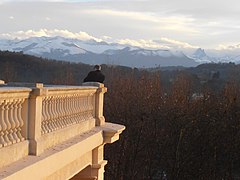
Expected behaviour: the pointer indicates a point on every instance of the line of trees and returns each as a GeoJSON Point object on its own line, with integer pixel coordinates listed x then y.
{"type": "Point", "coordinates": [171, 134]}
{"type": "Point", "coordinates": [180, 124]}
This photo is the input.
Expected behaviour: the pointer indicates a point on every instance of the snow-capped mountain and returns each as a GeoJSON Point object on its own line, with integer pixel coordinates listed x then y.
{"type": "Point", "coordinates": [138, 57]}
{"type": "Point", "coordinates": [201, 57]}
{"type": "Point", "coordinates": [40, 45]}
{"type": "Point", "coordinates": [93, 52]}
{"type": "Point", "coordinates": [215, 56]}
{"type": "Point", "coordinates": [199, 53]}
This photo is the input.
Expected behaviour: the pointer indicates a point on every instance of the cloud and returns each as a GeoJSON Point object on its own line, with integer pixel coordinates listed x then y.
{"type": "Point", "coordinates": [142, 16]}
{"type": "Point", "coordinates": [175, 43]}
{"type": "Point", "coordinates": [106, 38]}
{"type": "Point", "coordinates": [228, 47]}
{"type": "Point", "coordinates": [180, 23]}
{"type": "Point", "coordinates": [127, 14]}
{"type": "Point", "coordinates": [49, 33]}
{"type": "Point", "coordinates": [162, 43]}
{"type": "Point", "coordinates": [149, 44]}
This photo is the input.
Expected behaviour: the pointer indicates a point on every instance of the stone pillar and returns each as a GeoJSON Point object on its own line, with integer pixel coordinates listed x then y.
{"type": "Point", "coordinates": [98, 163]}
{"type": "Point", "coordinates": [100, 120]}
{"type": "Point", "coordinates": [35, 118]}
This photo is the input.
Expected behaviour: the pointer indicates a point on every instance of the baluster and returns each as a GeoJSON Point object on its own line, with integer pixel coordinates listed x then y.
{"type": "Point", "coordinates": [44, 117]}
{"type": "Point", "coordinates": [85, 107]}
{"type": "Point", "coordinates": [70, 121]}
{"type": "Point", "coordinates": [78, 108]}
{"type": "Point", "coordinates": [56, 112]}
{"type": "Point", "coordinates": [12, 122]}
{"type": "Point", "coordinates": [89, 106]}
{"type": "Point", "coordinates": [48, 125]}
{"type": "Point", "coordinates": [64, 111]}
{"type": "Point", "coordinates": [73, 117]}
{"type": "Point", "coordinates": [88, 103]}
{"type": "Point", "coordinates": [15, 122]}
{"type": "Point", "coordinates": [64, 98]}
{"type": "Point", "coordinates": [6, 111]}
{"type": "Point", "coordinates": [50, 110]}
{"type": "Point", "coordinates": [74, 109]}
{"type": "Point", "coordinates": [56, 106]}
{"type": "Point", "coordinates": [68, 111]}
{"type": "Point", "coordinates": [19, 117]}
{"type": "Point", "coordinates": [60, 111]}
{"type": "Point", "coordinates": [81, 104]}
{"type": "Point", "coordinates": [55, 115]}
{"type": "Point", "coordinates": [3, 126]}
{"type": "Point", "coordinates": [92, 107]}
{"type": "Point", "coordinates": [81, 108]}
{"type": "Point", "coordinates": [84, 104]}
{"type": "Point", "coordinates": [49, 119]}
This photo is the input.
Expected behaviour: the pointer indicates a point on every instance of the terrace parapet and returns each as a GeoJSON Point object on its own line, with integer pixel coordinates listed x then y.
{"type": "Point", "coordinates": [35, 118]}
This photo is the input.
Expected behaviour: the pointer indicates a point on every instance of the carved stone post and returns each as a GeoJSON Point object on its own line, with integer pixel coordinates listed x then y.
{"type": "Point", "coordinates": [98, 163]}
{"type": "Point", "coordinates": [100, 120]}
{"type": "Point", "coordinates": [35, 118]}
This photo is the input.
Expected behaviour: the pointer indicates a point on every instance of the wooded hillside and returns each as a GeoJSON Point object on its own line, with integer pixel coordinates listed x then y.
{"type": "Point", "coordinates": [180, 123]}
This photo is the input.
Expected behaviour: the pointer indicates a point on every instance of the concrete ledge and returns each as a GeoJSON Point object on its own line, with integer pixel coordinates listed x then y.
{"type": "Point", "coordinates": [13, 153]}
{"type": "Point", "coordinates": [96, 84]}
{"type": "Point", "coordinates": [64, 160]}
{"type": "Point", "coordinates": [111, 132]}
{"type": "Point", "coordinates": [54, 159]}
{"type": "Point", "coordinates": [53, 138]}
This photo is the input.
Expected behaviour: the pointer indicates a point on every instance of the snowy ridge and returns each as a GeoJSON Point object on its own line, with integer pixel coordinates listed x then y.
{"type": "Point", "coordinates": [92, 52]}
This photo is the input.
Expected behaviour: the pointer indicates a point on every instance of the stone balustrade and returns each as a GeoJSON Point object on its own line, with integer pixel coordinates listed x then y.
{"type": "Point", "coordinates": [37, 117]}
{"type": "Point", "coordinates": [53, 132]}
{"type": "Point", "coordinates": [12, 124]}
{"type": "Point", "coordinates": [65, 109]}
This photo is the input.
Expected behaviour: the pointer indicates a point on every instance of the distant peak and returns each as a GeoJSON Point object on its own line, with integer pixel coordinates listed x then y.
{"type": "Point", "coordinates": [199, 53]}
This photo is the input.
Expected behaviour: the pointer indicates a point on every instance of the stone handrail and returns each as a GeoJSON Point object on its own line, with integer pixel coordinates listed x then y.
{"type": "Point", "coordinates": [34, 118]}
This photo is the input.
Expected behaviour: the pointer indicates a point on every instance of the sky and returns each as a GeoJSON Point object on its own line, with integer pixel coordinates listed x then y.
{"type": "Point", "coordinates": [151, 24]}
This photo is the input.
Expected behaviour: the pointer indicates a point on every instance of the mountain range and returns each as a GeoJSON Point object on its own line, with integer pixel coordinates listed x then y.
{"type": "Point", "coordinates": [93, 52]}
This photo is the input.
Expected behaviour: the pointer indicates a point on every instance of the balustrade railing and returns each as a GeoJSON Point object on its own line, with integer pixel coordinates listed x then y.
{"type": "Point", "coordinates": [59, 111]}
{"type": "Point", "coordinates": [11, 121]}
{"type": "Point", "coordinates": [39, 117]}
{"type": "Point", "coordinates": [12, 117]}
